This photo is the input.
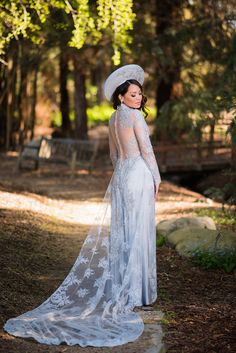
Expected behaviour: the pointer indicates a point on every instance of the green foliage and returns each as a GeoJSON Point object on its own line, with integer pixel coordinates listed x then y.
{"type": "Point", "coordinates": [215, 260]}
{"type": "Point", "coordinates": [98, 114]}
{"type": "Point", "coordinates": [232, 130]}
{"type": "Point", "coordinates": [24, 18]}
{"type": "Point", "coordinates": [56, 119]}
{"type": "Point", "coordinates": [160, 241]}
{"type": "Point", "coordinates": [199, 51]}
{"type": "Point", "coordinates": [174, 120]}
{"type": "Point", "coordinates": [151, 113]}
{"type": "Point", "coordinates": [91, 94]}
{"type": "Point", "coordinates": [226, 217]}
{"type": "Point", "coordinates": [21, 19]}
{"type": "Point", "coordinates": [191, 113]}
{"type": "Point", "coordinates": [117, 16]}
{"type": "Point", "coordinates": [84, 24]}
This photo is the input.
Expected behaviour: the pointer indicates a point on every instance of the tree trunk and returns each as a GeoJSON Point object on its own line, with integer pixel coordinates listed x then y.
{"type": "Point", "coordinates": [3, 104]}
{"type": "Point", "coordinates": [169, 86]}
{"type": "Point", "coordinates": [22, 105]}
{"type": "Point", "coordinates": [25, 87]}
{"type": "Point", "coordinates": [233, 151]}
{"type": "Point", "coordinates": [164, 89]}
{"type": "Point", "coordinates": [233, 157]}
{"type": "Point", "coordinates": [211, 136]}
{"type": "Point", "coordinates": [9, 103]}
{"type": "Point", "coordinates": [80, 103]}
{"type": "Point", "coordinates": [11, 96]}
{"type": "Point", "coordinates": [97, 80]}
{"type": "Point", "coordinates": [64, 96]}
{"type": "Point", "coordinates": [33, 102]}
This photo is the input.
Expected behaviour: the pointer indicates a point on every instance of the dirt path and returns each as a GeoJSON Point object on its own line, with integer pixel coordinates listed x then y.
{"type": "Point", "coordinates": [44, 218]}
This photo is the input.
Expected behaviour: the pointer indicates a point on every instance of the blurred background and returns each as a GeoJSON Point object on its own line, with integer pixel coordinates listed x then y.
{"type": "Point", "coordinates": [55, 57]}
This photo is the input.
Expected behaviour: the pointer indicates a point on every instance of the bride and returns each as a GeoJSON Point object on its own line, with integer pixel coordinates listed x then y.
{"type": "Point", "coordinates": [116, 268]}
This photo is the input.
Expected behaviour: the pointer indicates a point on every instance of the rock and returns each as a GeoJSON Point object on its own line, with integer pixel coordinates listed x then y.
{"type": "Point", "coordinates": [151, 317]}
{"type": "Point", "coordinates": [190, 239]}
{"type": "Point", "coordinates": [166, 227]}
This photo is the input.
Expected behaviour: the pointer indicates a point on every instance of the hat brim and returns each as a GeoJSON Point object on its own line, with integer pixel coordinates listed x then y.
{"type": "Point", "coordinates": [119, 76]}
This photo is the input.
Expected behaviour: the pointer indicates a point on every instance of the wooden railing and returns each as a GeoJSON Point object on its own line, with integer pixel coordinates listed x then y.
{"type": "Point", "coordinates": [192, 157]}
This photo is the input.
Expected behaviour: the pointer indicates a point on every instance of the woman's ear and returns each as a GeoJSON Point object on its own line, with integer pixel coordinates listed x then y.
{"type": "Point", "coordinates": [121, 98]}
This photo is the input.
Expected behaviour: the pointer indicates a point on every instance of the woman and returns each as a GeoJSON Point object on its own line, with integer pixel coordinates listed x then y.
{"type": "Point", "coordinates": [116, 268]}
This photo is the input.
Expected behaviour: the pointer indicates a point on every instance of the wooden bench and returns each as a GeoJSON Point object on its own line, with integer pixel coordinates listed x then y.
{"type": "Point", "coordinates": [29, 152]}
{"type": "Point", "coordinates": [73, 152]}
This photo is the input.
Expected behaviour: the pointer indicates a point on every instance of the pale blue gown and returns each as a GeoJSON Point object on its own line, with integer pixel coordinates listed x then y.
{"type": "Point", "coordinates": [116, 268]}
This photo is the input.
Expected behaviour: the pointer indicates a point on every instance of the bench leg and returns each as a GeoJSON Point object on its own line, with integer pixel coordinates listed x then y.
{"type": "Point", "coordinates": [36, 165]}
{"type": "Point", "coordinates": [73, 163]}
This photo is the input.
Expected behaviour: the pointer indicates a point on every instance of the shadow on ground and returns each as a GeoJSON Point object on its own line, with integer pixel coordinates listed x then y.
{"type": "Point", "coordinates": [38, 250]}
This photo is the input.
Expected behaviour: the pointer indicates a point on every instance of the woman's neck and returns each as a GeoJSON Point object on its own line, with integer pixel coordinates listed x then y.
{"type": "Point", "coordinates": [123, 105]}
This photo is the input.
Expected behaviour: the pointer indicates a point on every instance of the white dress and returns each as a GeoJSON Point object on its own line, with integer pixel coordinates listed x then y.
{"type": "Point", "coordinates": [116, 268]}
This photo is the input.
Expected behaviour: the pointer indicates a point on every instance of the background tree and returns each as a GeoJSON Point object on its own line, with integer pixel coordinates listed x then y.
{"type": "Point", "coordinates": [197, 43]}
{"type": "Point", "coordinates": [24, 21]}
{"type": "Point", "coordinates": [55, 57]}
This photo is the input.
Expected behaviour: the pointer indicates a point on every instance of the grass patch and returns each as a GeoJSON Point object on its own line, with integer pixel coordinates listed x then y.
{"type": "Point", "coordinates": [220, 217]}
{"type": "Point", "coordinates": [160, 241]}
{"type": "Point", "coordinates": [169, 318]}
{"type": "Point", "coordinates": [163, 295]}
{"type": "Point", "coordinates": [214, 260]}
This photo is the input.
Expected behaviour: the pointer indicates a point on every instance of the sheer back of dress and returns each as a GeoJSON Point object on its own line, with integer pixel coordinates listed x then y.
{"type": "Point", "coordinates": [93, 305]}
{"type": "Point", "coordinates": [129, 137]}
{"type": "Point", "coordinates": [122, 130]}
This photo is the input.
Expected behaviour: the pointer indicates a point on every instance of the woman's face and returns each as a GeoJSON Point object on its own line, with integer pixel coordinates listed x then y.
{"type": "Point", "coordinates": [133, 97]}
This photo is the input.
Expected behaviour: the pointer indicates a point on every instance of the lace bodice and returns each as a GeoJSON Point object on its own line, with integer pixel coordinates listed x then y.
{"type": "Point", "coordinates": [116, 267]}
{"type": "Point", "coordinates": [129, 137]}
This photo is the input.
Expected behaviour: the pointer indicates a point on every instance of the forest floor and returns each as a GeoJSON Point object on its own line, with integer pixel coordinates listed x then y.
{"type": "Point", "coordinates": [44, 218]}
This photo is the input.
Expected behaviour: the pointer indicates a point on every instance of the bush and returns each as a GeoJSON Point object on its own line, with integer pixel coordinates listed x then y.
{"type": "Point", "coordinates": [214, 260]}
{"type": "Point", "coordinates": [161, 240]}
{"type": "Point", "coordinates": [98, 114]}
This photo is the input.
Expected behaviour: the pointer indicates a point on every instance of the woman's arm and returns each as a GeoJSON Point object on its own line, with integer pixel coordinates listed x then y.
{"type": "Point", "coordinates": [142, 134]}
{"type": "Point", "coordinates": [113, 148]}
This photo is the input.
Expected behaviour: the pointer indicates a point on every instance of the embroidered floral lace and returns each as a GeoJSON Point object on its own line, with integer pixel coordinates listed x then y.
{"type": "Point", "coordinates": [116, 268]}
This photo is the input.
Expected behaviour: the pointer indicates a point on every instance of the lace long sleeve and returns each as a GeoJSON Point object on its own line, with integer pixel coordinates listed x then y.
{"type": "Point", "coordinates": [113, 148]}
{"type": "Point", "coordinates": [142, 134]}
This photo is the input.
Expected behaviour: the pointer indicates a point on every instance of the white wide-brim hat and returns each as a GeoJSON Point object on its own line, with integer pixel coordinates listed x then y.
{"type": "Point", "coordinates": [119, 76]}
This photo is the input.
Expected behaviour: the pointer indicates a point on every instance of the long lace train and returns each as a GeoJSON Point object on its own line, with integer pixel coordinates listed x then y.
{"type": "Point", "coordinates": [93, 306]}
{"type": "Point", "coordinates": [114, 272]}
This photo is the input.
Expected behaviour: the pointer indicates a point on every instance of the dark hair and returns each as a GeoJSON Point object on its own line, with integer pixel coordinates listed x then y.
{"type": "Point", "coordinates": [122, 89]}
